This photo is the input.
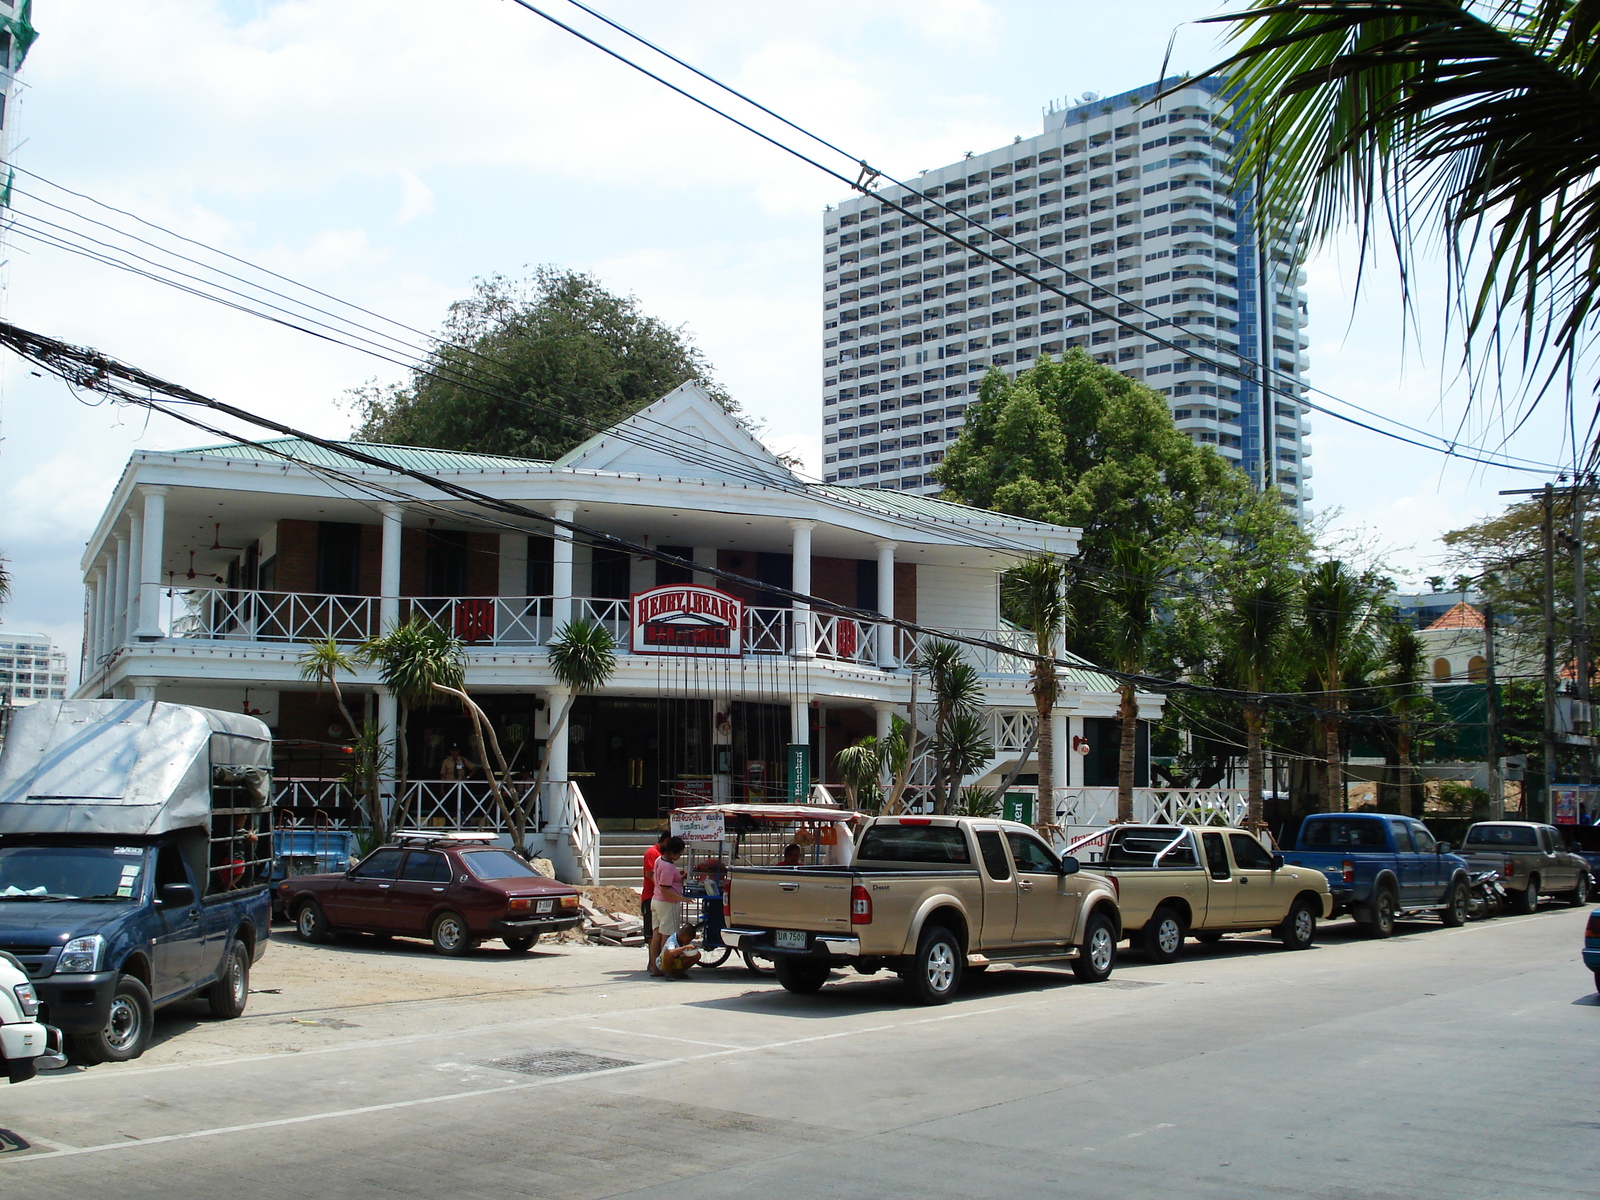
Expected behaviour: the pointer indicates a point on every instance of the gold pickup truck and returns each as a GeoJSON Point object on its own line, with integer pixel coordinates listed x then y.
{"type": "Point", "coordinates": [928, 898]}
{"type": "Point", "coordinates": [1173, 881]}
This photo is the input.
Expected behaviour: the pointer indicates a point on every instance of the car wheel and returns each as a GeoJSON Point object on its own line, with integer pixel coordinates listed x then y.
{"type": "Point", "coordinates": [935, 971]}
{"type": "Point", "coordinates": [1208, 939]}
{"type": "Point", "coordinates": [1525, 901]}
{"type": "Point", "coordinates": [1454, 913]}
{"type": "Point", "coordinates": [451, 936]}
{"type": "Point", "coordinates": [1299, 928]}
{"type": "Point", "coordinates": [127, 1028]}
{"type": "Point", "coordinates": [521, 943]}
{"type": "Point", "coordinates": [1579, 896]}
{"type": "Point", "coordinates": [311, 923]}
{"type": "Point", "coordinates": [1098, 954]}
{"type": "Point", "coordinates": [801, 977]}
{"type": "Point", "coordinates": [1597, 981]}
{"type": "Point", "coordinates": [230, 993]}
{"type": "Point", "coordinates": [1379, 922]}
{"type": "Point", "coordinates": [1162, 941]}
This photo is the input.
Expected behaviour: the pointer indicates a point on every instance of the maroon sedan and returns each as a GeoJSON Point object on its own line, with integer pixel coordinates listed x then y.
{"type": "Point", "coordinates": [455, 891]}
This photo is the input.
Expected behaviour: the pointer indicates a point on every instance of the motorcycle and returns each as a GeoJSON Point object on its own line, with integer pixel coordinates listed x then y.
{"type": "Point", "coordinates": [1486, 899]}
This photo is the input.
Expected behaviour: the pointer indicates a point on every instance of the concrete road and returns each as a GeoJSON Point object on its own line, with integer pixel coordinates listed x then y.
{"type": "Point", "coordinates": [1440, 1063]}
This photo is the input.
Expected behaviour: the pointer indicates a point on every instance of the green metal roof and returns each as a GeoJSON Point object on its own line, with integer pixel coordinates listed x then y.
{"type": "Point", "coordinates": [904, 504]}
{"type": "Point", "coordinates": [410, 458]}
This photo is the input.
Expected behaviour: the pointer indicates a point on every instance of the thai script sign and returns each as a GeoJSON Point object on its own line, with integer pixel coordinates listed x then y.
{"type": "Point", "coordinates": [699, 827]}
{"type": "Point", "coordinates": [681, 619]}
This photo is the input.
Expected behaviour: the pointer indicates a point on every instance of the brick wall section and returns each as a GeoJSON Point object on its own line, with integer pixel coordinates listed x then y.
{"type": "Point", "coordinates": [372, 560]}
{"type": "Point", "coordinates": [834, 579]}
{"type": "Point", "coordinates": [297, 556]}
{"type": "Point", "coordinates": [483, 564]}
{"type": "Point", "coordinates": [413, 561]}
{"type": "Point", "coordinates": [905, 591]}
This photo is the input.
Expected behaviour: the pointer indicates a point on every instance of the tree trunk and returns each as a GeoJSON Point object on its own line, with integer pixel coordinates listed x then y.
{"type": "Point", "coordinates": [1409, 800]}
{"type": "Point", "coordinates": [1044, 704]}
{"type": "Point", "coordinates": [1335, 798]}
{"type": "Point", "coordinates": [511, 814]}
{"type": "Point", "coordinates": [402, 762]}
{"type": "Point", "coordinates": [894, 804]}
{"type": "Point", "coordinates": [1125, 757]}
{"type": "Point", "coordinates": [1254, 727]}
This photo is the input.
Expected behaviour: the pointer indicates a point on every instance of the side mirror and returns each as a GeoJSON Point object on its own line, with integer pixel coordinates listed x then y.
{"type": "Point", "coordinates": [177, 895]}
{"type": "Point", "coordinates": [1445, 847]}
{"type": "Point", "coordinates": [1277, 861]}
{"type": "Point", "coordinates": [1069, 865]}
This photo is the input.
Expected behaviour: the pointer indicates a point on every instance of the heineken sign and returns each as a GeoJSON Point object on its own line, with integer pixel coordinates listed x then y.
{"type": "Point", "coordinates": [680, 619]}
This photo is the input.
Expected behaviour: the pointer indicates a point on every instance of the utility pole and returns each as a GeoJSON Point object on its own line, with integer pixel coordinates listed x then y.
{"type": "Point", "coordinates": [1549, 739]}
{"type": "Point", "coordinates": [1581, 724]}
{"type": "Point", "coordinates": [1491, 718]}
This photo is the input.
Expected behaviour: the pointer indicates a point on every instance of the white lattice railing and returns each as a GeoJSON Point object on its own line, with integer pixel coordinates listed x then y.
{"type": "Point", "coordinates": [216, 613]}
{"type": "Point", "coordinates": [325, 794]}
{"type": "Point", "coordinates": [453, 804]}
{"type": "Point", "coordinates": [990, 662]}
{"type": "Point", "coordinates": [844, 638]}
{"type": "Point", "coordinates": [488, 620]}
{"type": "Point", "coordinates": [1010, 732]}
{"type": "Point", "coordinates": [1165, 806]}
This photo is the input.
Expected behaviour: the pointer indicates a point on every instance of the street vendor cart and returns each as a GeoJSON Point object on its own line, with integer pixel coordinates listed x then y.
{"type": "Point", "coordinates": [719, 836]}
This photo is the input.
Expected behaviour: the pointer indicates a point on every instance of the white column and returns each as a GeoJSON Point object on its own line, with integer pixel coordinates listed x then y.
{"type": "Point", "coordinates": [151, 555]}
{"type": "Point", "coordinates": [143, 689]}
{"type": "Point", "coordinates": [389, 568]}
{"type": "Point", "coordinates": [135, 565]}
{"type": "Point", "coordinates": [108, 591]}
{"type": "Point", "coordinates": [886, 633]}
{"type": "Point", "coordinates": [800, 549]}
{"type": "Point", "coordinates": [1061, 767]}
{"type": "Point", "coordinates": [561, 576]}
{"type": "Point", "coordinates": [799, 720]}
{"type": "Point", "coordinates": [885, 715]}
{"type": "Point", "coordinates": [91, 622]}
{"type": "Point", "coordinates": [1074, 759]}
{"type": "Point", "coordinates": [119, 600]}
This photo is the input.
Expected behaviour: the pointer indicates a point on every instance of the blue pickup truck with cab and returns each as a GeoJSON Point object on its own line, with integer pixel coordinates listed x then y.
{"type": "Point", "coordinates": [1381, 866]}
{"type": "Point", "coordinates": [135, 847]}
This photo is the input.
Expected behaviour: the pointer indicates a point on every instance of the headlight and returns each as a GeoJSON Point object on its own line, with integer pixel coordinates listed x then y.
{"type": "Point", "coordinates": [80, 956]}
{"type": "Point", "coordinates": [28, 999]}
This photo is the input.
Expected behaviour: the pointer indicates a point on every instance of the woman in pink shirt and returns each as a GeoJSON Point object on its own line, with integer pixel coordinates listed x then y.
{"type": "Point", "coordinates": [666, 905]}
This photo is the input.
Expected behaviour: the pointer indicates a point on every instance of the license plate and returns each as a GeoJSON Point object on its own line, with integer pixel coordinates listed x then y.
{"type": "Point", "coordinates": [545, 906]}
{"type": "Point", "coordinates": [790, 939]}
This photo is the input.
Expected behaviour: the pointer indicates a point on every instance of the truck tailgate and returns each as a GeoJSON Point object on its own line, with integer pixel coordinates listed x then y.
{"type": "Point", "coordinates": [815, 899]}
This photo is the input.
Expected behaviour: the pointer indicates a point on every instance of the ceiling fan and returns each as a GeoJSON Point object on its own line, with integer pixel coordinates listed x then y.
{"type": "Point", "coordinates": [216, 543]}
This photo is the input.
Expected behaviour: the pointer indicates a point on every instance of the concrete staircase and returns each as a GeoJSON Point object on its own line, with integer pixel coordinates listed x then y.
{"type": "Point", "coordinates": [622, 856]}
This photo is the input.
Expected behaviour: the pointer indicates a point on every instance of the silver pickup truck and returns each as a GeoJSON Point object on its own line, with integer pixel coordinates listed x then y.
{"type": "Point", "coordinates": [928, 898]}
{"type": "Point", "coordinates": [1533, 860]}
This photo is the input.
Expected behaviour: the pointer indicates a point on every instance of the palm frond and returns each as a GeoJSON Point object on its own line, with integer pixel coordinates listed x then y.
{"type": "Point", "coordinates": [583, 654]}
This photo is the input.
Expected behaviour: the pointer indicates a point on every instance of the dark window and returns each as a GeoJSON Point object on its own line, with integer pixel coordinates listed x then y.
{"type": "Point", "coordinates": [914, 843]}
{"type": "Point", "coordinates": [608, 573]}
{"type": "Point", "coordinates": [445, 567]}
{"type": "Point", "coordinates": [424, 866]}
{"type": "Point", "coordinates": [498, 864]}
{"type": "Point", "coordinates": [1356, 832]}
{"type": "Point", "coordinates": [1423, 840]}
{"type": "Point", "coordinates": [380, 864]}
{"type": "Point", "coordinates": [170, 867]}
{"type": "Point", "coordinates": [776, 570]}
{"type": "Point", "coordinates": [1248, 853]}
{"type": "Point", "coordinates": [1217, 857]}
{"type": "Point", "coordinates": [1557, 846]}
{"type": "Point", "coordinates": [1501, 835]}
{"type": "Point", "coordinates": [666, 573]}
{"type": "Point", "coordinates": [338, 558]}
{"type": "Point", "coordinates": [1032, 855]}
{"type": "Point", "coordinates": [867, 585]}
{"type": "Point", "coordinates": [267, 574]}
{"type": "Point", "coordinates": [994, 854]}
{"type": "Point", "coordinates": [1402, 836]}
{"type": "Point", "coordinates": [541, 566]}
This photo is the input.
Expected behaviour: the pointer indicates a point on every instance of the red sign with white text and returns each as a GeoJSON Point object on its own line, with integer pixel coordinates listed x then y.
{"type": "Point", "coordinates": [682, 619]}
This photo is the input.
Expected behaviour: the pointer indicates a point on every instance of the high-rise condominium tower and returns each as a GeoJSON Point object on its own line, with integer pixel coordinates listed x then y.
{"type": "Point", "coordinates": [1131, 206]}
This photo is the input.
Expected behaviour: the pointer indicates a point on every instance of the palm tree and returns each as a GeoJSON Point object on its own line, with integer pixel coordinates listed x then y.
{"type": "Point", "coordinates": [1404, 665]}
{"type": "Point", "coordinates": [1436, 583]}
{"type": "Point", "coordinates": [1479, 122]}
{"type": "Point", "coordinates": [861, 768]}
{"type": "Point", "coordinates": [411, 658]}
{"type": "Point", "coordinates": [323, 662]}
{"type": "Point", "coordinates": [1128, 620]}
{"type": "Point", "coordinates": [1338, 613]}
{"type": "Point", "coordinates": [957, 692]}
{"type": "Point", "coordinates": [1255, 628]}
{"type": "Point", "coordinates": [1033, 595]}
{"type": "Point", "coordinates": [583, 656]}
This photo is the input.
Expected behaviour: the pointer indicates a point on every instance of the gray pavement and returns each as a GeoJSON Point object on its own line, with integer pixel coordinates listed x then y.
{"type": "Point", "coordinates": [1448, 1063]}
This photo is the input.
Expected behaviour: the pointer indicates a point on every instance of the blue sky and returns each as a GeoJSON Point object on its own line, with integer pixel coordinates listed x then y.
{"type": "Point", "coordinates": [388, 151]}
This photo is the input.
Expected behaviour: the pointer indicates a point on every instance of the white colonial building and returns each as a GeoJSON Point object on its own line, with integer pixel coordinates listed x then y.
{"type": "Point", "coordinates": [212, 568]}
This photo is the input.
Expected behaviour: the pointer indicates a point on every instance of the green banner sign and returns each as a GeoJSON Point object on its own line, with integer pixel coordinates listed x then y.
{"type": "Point", "coordinates": [799, 760]}
{"type": "Point", "coordinates": [1017, 806]}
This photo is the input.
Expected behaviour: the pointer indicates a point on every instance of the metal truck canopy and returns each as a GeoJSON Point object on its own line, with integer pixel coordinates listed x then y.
{"type": "Point", "coordinates": [129, 767]}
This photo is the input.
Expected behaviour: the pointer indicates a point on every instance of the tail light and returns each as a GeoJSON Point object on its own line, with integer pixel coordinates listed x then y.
{"type": "Point", "coordinates": [727, 894]}
{"type": "Point", "coordinates": [1349, 869]}
{"type": "Point", "coordinates": [1592, 929]}
{"type": "Point", "coordinates": [1510, 868]}
{"type": "Point", "coordinates": [860, 906]}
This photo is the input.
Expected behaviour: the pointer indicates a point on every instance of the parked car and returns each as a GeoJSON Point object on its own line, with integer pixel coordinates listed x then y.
{"type": "Point", "coordinates": [26, 1046]}
{"type": "Point", "coordinates": [1591, 946]}
{"type": "Point", "coordinates": [456, 889]}
{"type": "Point", "coordinates": [133, 863]}
{"type": "Point", "coordinates": [1584, 841]}
{"type": "Point", "coordinates": [1172, 882]}
{"type": "Point", "coordinates": [1380, 866]}
{"type": "Point", "coordinates": [1533, 860]}
{"type": "Point", "coordinates": [915, 900]}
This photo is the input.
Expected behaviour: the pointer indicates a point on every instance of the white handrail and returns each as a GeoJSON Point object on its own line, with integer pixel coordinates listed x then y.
{"type": "Point", "coordinates": [585, 834]}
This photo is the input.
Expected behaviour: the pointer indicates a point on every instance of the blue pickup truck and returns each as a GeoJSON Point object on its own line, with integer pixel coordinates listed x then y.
{"type": "Point", "coordinates": [1380, 867]}
{"type": "Point", "coordinates": [134, 854]}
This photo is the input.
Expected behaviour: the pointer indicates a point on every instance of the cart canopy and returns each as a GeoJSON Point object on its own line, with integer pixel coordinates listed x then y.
{"type": "Point", "coordinates": [127, 767]}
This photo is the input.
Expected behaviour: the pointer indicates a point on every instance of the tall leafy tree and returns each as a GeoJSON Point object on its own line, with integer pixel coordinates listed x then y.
{"type": "Point", "coordinates": [411, 658]}
{"type": "Point", "coordinates": [1128, 622]}
{"type": "Point", "coordinates": [322, 663]}
{"type": "Point", "coordinates": [531, 368]}
{"type": "Point", "coordinates": [1033, 595]}
{"type": "Point", "coordinates": [960, 744]}
{"type": "Point", "coordinates": [1339, 610]}
{"type": "Point", "coordinates": [1477, 120]}
{"type": "Point", "coordinates": [1255, 629]}
{"type": "Point", "coordinates": [1404, 665]}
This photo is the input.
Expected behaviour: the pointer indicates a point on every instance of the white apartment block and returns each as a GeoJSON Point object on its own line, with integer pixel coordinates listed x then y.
{"type": "Point", "coordinates": [1133, 198]}
{"type": "Point", "coordinates": [31, 668]}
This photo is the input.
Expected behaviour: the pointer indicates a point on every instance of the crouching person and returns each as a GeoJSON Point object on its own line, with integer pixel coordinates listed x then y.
{"type": "Point", "coordinates": [679, 953]}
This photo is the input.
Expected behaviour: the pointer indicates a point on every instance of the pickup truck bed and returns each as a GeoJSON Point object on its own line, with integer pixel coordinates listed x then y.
{"type": "Point", "coordinates": [926, 897]}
